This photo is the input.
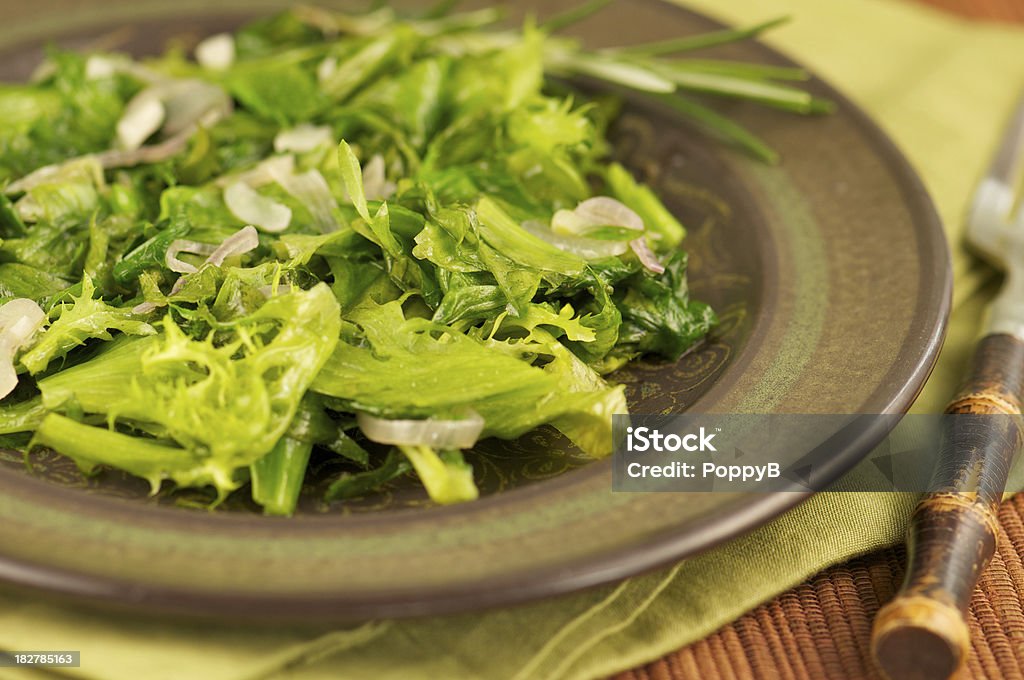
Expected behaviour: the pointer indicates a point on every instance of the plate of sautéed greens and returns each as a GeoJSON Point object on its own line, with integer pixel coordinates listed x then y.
{"type": "Point", "coordinates": [433, 248]}
{"type": "Point", "coordinates": [366, 243]}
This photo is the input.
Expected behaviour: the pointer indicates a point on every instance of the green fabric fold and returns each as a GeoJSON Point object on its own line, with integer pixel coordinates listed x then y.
{"type": "Point", "coordinates": [942, 88]}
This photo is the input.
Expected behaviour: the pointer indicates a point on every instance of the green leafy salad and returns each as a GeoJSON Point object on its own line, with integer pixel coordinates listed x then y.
{"type": "Point", "coordinates": [368, 237]}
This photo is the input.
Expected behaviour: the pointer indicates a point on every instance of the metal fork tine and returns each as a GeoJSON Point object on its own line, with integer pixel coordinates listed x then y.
{"type": "Point", "coordinates": [1009, 161]}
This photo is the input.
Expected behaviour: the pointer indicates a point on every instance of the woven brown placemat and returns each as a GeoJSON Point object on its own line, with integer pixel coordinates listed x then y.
{"type": "Point", "coordinates": [821, 630]}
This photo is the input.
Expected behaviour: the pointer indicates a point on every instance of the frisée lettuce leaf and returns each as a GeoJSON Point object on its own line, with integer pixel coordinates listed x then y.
{"type": "Point", "coordinates": [226, 401]}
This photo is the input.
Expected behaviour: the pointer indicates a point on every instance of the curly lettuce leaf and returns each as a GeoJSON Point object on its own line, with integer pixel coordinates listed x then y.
{"type": "Point", "coordinates": [60, 201]}
{"type": "Point", "coordinates": [85, 318]}
{"type": "Point", "coordinates": [150, 459]}
{"type": "Point", "coordinates": [22, 416]}
{"type": "Point", "coordinates": [226, 402]}
{"type": "Point", "coordinates": [658, 316]}
{"type": "Point", "coordinates": [413, 368]}
{"type": "Point", "coordinates": [24, 281]}
{"type": "Point", "coordinates": [499, 230]}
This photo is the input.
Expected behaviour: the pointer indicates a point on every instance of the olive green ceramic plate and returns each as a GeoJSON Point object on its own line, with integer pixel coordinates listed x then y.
{"type": "Point", "coordinates": [832, 278]}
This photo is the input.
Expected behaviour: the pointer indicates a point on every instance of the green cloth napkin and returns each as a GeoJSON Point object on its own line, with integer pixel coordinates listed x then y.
{"type": "Point", "coordinates": [942, 88]}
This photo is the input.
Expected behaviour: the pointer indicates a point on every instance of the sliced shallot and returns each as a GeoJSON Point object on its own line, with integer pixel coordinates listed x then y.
{"type": "Point", "coordinates": [100, 66]}
{"type": "Point", "coordinates": [152, 153]}
{"type": "Point", "coordinates": [303, 138]}
{"type": "Point", "coordinates": [184, 246]}
{"type": "Point", "coordinates": [173, 107]}
{"type": "Point", "coordinates": [142, 117]}
{"type": "Point", "coordinates": [587, 248]}
{"type": "Point", "coordinates": [146, 307]}
{"type": "Point", "coordinates": [311, 189]}
{"type": "Point", "coordinates": [375, 182]}
{"type": "Point", "coordinates": [193, 102]}
{"type": "Point", "coordinates": [248, 205]}
{"type": "Point", "coordinates": [610, 212]}
{"type": "Point", "coordinates": [261, 174]}
{"type": "Point", "coordinates": [594, 213]}
{"type": "Point", "coordinates": [239, 243]}
{"type": "Point", "coordinates": [646, 255]}
{"type": "Point", "coordinates": [20, 318]}
{"type": "Point", "coordinates": [326, 68]}
{"type": "Point", "coordinates": [217, 52]}
{"type": "Point", "coordinates": [439, 434]}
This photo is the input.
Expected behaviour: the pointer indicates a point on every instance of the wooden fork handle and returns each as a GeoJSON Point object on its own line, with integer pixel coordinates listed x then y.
{"type": "Point", "coordinates": [922, 633]}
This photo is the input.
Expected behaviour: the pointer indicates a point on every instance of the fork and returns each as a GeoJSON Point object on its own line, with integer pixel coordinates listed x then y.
{"type": "Point", "coordinates": [922, 633]}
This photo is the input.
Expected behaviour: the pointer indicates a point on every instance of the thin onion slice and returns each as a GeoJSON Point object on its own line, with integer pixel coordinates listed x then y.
{"type": "Point", "coordinates": [142, 117]}
{"type": "Point", "coordinates": [646, 255]}
{"type": "Point", "coordinates": [20, 318]}
{"type": "Point", "coordinates": [193, 102]}
{"type": "Point", "coordinates": [439, 434]}
{"type": "Point", "coordinates": [100, 66]}
{"type": "Point", "coordinates": [239, 243]}
{"type": "Point", "coordinates": [217, 52]}
{"type": "Point", "coordinates": [261, 174]}
{"type": "Point", "coordinates": [146, 307]}
{"type": "Point", "coordinates": [270, 291]}
{"type": "Point", "coordinates": [182, 104]}
{"type": "Point", "coordinates": [587, 248]}
{"type": "Point", "coordinates": [183, 246]}
{"type": "Point", "coordinates": [594, 213]}
{"type": "Point", "coordinates": [303, 138]}
{"type": "Point", "coordinates": [312, 190]}
{"type": "Point", "coordinates": [13, 313]}
{"type": "Point", "coordinates": [186, 104]}
{"type": "Point", "coordinates": [152, 153]}
{"type": "Point", "coordinates": [248, 205]}
{"type": "Point", "coordinates": [326, 68]}
{"type": "Point", "coordinates": [375, 182]}
{"type": "Point", "coordinates": [8, 376]}
{"type": "Point", "coordinates": [609, 212]}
